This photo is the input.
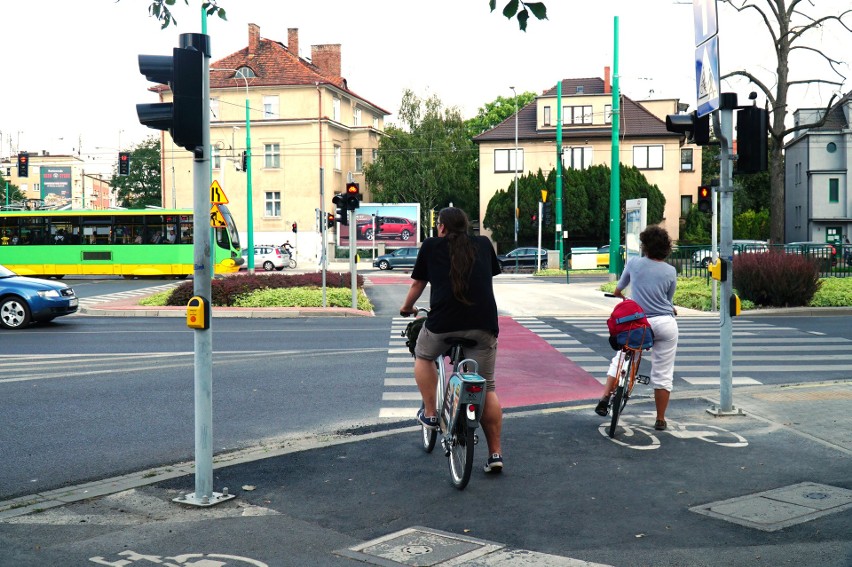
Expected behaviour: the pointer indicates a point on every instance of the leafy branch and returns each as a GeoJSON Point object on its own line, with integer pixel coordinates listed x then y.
{"type": "Point", "coordinates": [521, 10]}
{"type": "Point", "coordinates": [160, 10]}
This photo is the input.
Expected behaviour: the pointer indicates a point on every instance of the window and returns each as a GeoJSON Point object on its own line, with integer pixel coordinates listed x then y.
{"type": "Point", "coordinates": [546, 111]}
{"type": "Point", "coordinates": [686, 159]}
{"type": "Point", "coordinates": [335, 109]}
{"type": "Point", "coordinates": [798, 173]}
{"type": "Point", "coordinates": [375, 154]}
{"type": "Point", "coordinates": [356, 117]}
{"type": "Point", "coordinates": [270, 107]}
{"type": "Point", "coordinates": [581, 89]}
{"type": "Point", "coordinates": [216, 157]}
{"type": "Point", "coordinates": [376, 122]}
{"type": "Point", "coordinates": [577, 114]}
{"type": "Point", "coordinates": [648, 157]}
{"type": "Point", "coordinates": [577, 157]}
{"type": "Point", "coordinates": [504, 161]}
{"type": "Point", "coordinates": [244, 72]}
{"type": "Point", "coordinates": [607, 114]}
{"type": "Point", "coordinates": [359, 160]}
{"type": "Point", "coordinates": [337, 165]}
{"type": "Point", "coordinates": [271, 155]}
{"type": "Point", "coordinates": [272, 204]}
{"type": "Point", "coordinates": [833, 190]}
{"type": "Point", "coordinates": [685, 205]}
{"type": "Point", "coordinates": [831, 147]}
{"type": "Point", "coordinates": [214, 109]}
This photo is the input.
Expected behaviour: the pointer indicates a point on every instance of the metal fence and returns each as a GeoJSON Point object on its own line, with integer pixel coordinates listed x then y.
{"type": "Point", "coordinates": [833, 260]}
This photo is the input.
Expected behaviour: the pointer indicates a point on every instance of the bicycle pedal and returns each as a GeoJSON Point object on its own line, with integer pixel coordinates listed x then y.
{"type": "Point", "coordinates": [642, 379]}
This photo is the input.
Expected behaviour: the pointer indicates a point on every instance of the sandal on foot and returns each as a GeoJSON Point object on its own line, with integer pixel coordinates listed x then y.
{"type": "Point", "coordinates": [660, 425]}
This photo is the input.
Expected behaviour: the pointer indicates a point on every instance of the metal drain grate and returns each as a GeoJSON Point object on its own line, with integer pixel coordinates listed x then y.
{"type": "Point", "coordinates": [775, 509]}
{"type": "Point", "coordinates": [419, 547]}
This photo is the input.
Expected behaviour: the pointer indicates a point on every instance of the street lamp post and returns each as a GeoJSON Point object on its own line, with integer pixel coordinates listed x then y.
{"type": "Point", "coordinates": [249, 199]}
{"type": "Point", "coordinates": [516, 174]}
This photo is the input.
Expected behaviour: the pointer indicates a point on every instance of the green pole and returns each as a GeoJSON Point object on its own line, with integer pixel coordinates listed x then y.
{"type": "Point", "coordinates": [615, 179]}
{"type": "Point", "coordinates": [557, 235]}
{"type": "Point", "coordinates": [7, 194]}
{"type": "Point", "coordinates": [250, 213]}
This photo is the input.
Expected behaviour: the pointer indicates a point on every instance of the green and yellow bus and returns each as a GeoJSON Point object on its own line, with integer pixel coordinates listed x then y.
{"type": "Point", "coordinates": [151, 242]}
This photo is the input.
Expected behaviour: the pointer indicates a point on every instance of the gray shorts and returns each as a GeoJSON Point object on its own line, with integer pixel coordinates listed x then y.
{"type": "Point", "coordinates": [431, 345]}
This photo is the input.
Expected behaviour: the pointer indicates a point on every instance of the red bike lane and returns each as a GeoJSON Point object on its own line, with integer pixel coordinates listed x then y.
{"type": "Point", "coordinates": [530, 371]}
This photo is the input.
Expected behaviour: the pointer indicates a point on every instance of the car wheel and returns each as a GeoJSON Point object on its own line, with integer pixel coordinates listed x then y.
{"type": "Point", "coordinates": [384, 265]}
{"type": "Point", "coordinates": [14, 313]}
{"type": "Point", "coordinates": [268, 266]}
{"type": "Point", "coordinates": [405, 235]}
{"type": "Point", "coordinates": [368, 234]}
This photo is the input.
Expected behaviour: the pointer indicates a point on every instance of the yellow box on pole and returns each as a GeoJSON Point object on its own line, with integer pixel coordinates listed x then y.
{"type": "Point", "coordinates": [198, 313]}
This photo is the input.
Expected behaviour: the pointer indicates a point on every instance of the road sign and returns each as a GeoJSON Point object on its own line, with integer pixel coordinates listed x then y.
{"type": "Point", "coordinates": [217, 194]}
{"type": "Point", "coordinates": [216, 218]}
{"type": "Point", "coordinates": [706, 20]}
{"type": "Point", "coordinates": [543, 195]}
{"type": "Point", "coordinates": [707, 76]}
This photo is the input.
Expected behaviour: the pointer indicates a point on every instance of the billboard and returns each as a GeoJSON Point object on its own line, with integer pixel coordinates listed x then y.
{"type": "Point", "coordinates": [55, 185]}
{"type": "Point", "coordinates": [401, 227]}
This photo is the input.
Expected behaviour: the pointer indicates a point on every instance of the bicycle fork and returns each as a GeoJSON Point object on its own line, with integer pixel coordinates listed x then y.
{"type": "Point", "coordinates": [464, 399]}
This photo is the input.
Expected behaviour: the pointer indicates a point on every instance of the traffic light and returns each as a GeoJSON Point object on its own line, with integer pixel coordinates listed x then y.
{"type": "Point", "coordinates": [294, 227]}
{"type": "Point", "coordinates": [329, 220]}
{"type": "Point", "coordinates": [533, 219]}
{"type": "Point", "coordinates": [752, 139]}
{"type": "Point", "coordinates": [244, 162]}
{"type": "Point", "coordinates": [341, 212]}
{"type": "Point", "coordinates": [696, 130]}
{"type": "Point", "coordinates": [23, 164]}
{"type": "Point", "coordinates": [545, 213]}
{"type": "Point", "coordinates": [183, 73]}
{"type": "Point", "coordinates": [352, 196]}
{"type": "Point", "coordinates": [380, 221]}
{"type": "Point", "coordinates": [124, 163]}
{"type": "Point", "coordinates": [705, 205]}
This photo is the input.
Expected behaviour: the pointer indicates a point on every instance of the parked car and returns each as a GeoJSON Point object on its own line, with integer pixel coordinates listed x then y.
{"type": "Point", "coordinates": [392, 227]}
{"type": "Point", "coordinates": [823, 251]}
{"type": "Point", "coordinates": [266, 256]}
{"type": "Point", "coordinates": [401, 258]}
{"type": "Point", "coordinates": [702, 258]}
{"type": "Point", "coordinates": [523, 257]}
{"type": "Point", "coordinates": [25, 300]}
{"type": "Point", "coordinates": [603, 256]}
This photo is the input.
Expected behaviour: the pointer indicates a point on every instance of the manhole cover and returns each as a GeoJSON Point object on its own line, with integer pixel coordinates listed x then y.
{"type": "Point", "coordinates": [776, 509]}
{"type": "Point", "coordinates": [419, 547]}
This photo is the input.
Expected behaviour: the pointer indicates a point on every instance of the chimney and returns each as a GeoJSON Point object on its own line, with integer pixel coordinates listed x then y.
{"type": "Point", "coordinates": [607, 88]}
{"type": "Point", "coordinates": [254, 39]}
{"type": "Point", "coordinates": [293, 41]}
{"type": "Point", "coordinates": [327, 58]}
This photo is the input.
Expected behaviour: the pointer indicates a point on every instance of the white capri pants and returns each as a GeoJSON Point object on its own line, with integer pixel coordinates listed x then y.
{"type": "Point", "coordinates": [662, 355]}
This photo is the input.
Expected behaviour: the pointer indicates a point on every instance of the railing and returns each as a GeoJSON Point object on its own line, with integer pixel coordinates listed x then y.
{"type": "Point", "coordinates": [691, 261]}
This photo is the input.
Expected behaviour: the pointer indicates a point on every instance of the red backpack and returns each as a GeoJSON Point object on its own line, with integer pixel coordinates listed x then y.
{"type": "Point", "coordinates": [628, 327]}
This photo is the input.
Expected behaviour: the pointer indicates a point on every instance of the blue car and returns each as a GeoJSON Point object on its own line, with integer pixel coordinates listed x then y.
{"type": "Point", "coordinates": [25, 300]}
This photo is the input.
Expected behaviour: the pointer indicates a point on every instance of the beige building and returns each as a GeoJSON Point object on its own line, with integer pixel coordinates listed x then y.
{"type": "Point", "coordinates": [58, 181]}
{"type": "Point", "coordinates": [303, 119]}
{"type": "Point", "coordinates": [662, 156]}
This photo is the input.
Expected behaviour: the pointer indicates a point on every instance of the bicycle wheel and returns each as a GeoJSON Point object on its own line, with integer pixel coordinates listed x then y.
{"type": "Point", "coordinates": [292, 263]}
{"type": "Point", "coordinates": [461, 454]}
{"type": "Point", "coordinates": [619, 398]}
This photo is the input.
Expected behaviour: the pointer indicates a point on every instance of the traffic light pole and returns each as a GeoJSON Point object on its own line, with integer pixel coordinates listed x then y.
{"type": "Point", "coordinates": [723, 124]}
{"type": "Point", "coordinates": [353, 266]}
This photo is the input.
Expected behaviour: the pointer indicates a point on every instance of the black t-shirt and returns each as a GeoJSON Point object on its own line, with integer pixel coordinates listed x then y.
{"type": "Point", "coordinates": [447, 314]}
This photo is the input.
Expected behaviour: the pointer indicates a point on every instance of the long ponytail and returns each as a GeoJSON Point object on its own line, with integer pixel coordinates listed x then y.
{"type": "Point", "coordinates": [462, 250]}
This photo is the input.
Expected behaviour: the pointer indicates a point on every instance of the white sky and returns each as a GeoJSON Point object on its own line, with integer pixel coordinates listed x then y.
{"type": "Point", "coordinates": [72, 73]}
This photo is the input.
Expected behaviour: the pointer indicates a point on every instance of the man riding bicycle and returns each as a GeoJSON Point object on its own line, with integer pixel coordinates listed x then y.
{"type": "Point", "coordinates": [459, 267]}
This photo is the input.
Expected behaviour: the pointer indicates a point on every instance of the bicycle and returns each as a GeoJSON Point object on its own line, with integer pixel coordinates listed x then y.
{"type": "Point", "coordinates": [627, 373]}
{"type": "Point", "coordinates": [289, 261]}
{"type": "Point", "coordinates": [460, 401]}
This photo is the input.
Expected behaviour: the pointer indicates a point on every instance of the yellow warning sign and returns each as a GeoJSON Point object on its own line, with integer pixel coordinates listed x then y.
{"type": "Point", "coordinates": [216, 218]}
{"type": "Point", "coordinates": [544, 195]}
{"type": "Point", "coordinates": [217, 194]}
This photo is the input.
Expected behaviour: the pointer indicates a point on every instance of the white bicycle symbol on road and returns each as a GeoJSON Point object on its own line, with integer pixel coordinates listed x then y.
{"type": "Point", "coordinates": [642, 437]}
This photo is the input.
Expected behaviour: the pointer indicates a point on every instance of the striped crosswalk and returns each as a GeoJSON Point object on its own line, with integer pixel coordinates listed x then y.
{"type": "Point", "coordinates": [761, 352]}
{"type": "Point", "coordinates": [130, 294]}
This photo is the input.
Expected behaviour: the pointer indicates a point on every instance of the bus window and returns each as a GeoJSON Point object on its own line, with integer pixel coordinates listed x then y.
{"type": "Point", "coordinates": [64, 230]}
{"type": "Point", "coordinates": [134, 228]}
{"type": "Point", "coordinates": [156, 229]}
{"type": "Point", "coordinates": [185, 230]}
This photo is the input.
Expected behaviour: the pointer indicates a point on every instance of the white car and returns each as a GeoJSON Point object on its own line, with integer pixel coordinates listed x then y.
{"type": "Point", "coordinates": [703, 257]}
{"type": "Point", "coordinates": [266, 256]}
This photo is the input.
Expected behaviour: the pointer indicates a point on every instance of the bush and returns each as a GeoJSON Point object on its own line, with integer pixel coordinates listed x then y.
{"type": "Point", "coordinates": [224, 292]}
{"type": "Point", "coordinates": [775, 279]}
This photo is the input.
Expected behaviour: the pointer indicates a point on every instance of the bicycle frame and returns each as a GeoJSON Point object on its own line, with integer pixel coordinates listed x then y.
{"type": "Point", "coordinates": [464, 397]}
{"type": "Point", "coordinates": [628, 374]}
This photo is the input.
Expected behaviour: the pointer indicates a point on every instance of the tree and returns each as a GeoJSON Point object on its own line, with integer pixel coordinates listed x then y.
{"type": "Point", "coordinates": [788, 24]}
{"type": "Point", "coordinates": [495, 112]}
{"type": "Point", "coordinates": [160, 10]}
{"type": "Point", "coordinates": [15, 194]}
{"type": "Point", "coordinates": [143, 186]}
{"type": "Point", "coordinates": [511, 10]}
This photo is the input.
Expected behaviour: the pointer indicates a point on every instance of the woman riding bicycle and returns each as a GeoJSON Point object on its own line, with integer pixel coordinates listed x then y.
{"type": "Point", "coordinates": [652, 282]}
{"type": "Point", "coordinates": [459, 268]}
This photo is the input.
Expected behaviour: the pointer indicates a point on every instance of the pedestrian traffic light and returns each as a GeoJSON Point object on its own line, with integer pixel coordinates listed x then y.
{"type": "Point", "coordinates": [124, 163]}
{"type": "Point", "coordinates": [696, 130]}
{"type": "Point", "coordinates": [183, 118]}
{"type": "Point", "coordinates": [380, 221]}
{"type": "Point", "coordinates": [341, 211]}
{"type": "Point", "coordinates": [23, 164]}
{"type": "Point", "coordinates": [353, 197]}
{"type": "Point", "coordinates": [294, 227]}
{"type": "Point", "coordinates": [244, 162]}
{"type": "Point", "coordinates": [545, 213]}
{"type": "Point", "coordinates": [752, 140]}
{"type": "Point", "coordinates": [533, 219]}
{"type": "Point", "coordinates": [704, 203]}
{"type": "Point", "coordinates": [329, 220]}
